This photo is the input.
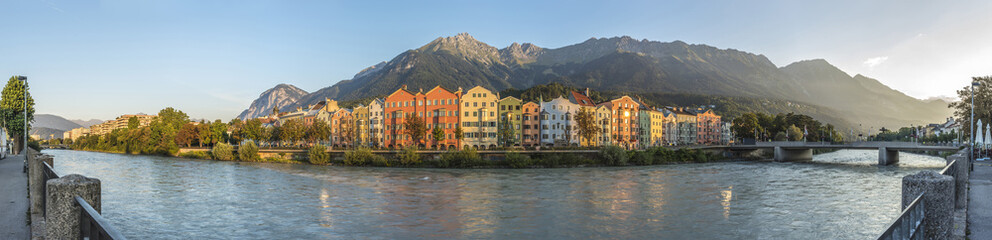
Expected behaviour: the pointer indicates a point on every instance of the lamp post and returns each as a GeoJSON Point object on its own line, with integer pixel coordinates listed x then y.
{"type": "Point", "coordinates": [25, 103]}
{"type": "Point", "coordinates": [972, 141]}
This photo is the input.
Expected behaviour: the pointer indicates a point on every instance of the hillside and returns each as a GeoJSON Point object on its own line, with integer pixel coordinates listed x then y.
{"type": "Point", "coordinates": [280, 96]}
{"type": "Point", "coordinates": [53, 122]}
{"type": "Point", "coordinates": [623, 64]}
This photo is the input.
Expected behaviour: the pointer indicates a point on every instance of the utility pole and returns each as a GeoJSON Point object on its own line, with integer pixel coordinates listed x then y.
{"type": "Point", "coordinates": [971, 151]}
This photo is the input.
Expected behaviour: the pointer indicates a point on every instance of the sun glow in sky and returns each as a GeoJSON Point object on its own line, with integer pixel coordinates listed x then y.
{"type": "Point", "coordinates": [101, 59]}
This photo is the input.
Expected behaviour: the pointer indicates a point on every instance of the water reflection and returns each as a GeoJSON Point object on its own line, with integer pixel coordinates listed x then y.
{"type": "Point", "coordinates": [152, 197]}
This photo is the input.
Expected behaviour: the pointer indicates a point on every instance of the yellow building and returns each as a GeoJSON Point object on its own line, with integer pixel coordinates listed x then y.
{"type": "Point", "coordinates": [478, 119]}
{"type": "Point", "coordinates": [360, 115]}
{"type": "Point", "coordinates": [604, 116]}
{"type": "Point", "coordinates": [656, 128]}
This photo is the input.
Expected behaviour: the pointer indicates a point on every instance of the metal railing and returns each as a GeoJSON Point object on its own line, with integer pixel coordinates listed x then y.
{"type": "Point", "coordinates": [949, 169]}
{"type": "Point", "coordinates": [47, 173]}
{"type": "Point", "coordinates": [909, 224]}
{"type": "Point", "coordinates": [93, 226]}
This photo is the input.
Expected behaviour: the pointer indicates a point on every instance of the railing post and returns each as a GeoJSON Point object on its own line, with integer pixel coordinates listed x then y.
{"type": "Point", "coordinates": [960, 179]}
{"type": "Point", "coordinates": [63, 213]}
{"type": "Point", "coordinates": [938, 202]}
{"type": "Point", "coordinates": [36, 180]}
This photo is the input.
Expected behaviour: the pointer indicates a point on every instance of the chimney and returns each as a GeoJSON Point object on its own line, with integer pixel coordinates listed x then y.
{"type": "Point", "coordinates": [404, 87]}
{"type": "Point", "coordinates": [587, 92]}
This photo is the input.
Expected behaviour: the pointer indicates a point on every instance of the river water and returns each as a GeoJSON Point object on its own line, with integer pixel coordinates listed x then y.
{"type": "Point", "coordinates": [839, 195]}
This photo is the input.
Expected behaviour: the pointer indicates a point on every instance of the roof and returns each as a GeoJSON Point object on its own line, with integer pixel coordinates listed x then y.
{"type": "Point", "coordinates": [511, 97]}
{"type": "Point", "coordinates": [581, 99]}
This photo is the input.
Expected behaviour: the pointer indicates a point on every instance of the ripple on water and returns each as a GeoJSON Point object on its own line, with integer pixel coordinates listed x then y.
{"type": "Point", "coordinates": [839, 195]}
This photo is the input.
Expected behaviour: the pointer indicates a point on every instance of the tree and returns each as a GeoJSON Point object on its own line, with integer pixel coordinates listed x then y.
{"type": "Point", "coordinates": [795, 134]}
{"type": "Point", "coordinates": [747, 126]}
{"type": "Point", "coordinates": [585, 121]}
{"type": "Point", "coordinates": [251, 130]}
{"type": "Point", "coordinates": [235, 128]}
{"type": "Point", "coordinates": [983, 104]}
{"type": "Point", "coordinates": [318, 131]}
{"type": "Point", "coordinates": [291, 131]}
{"type": "Point", "coordinates": [217, 131]}
{"type": "Point", "coordinates": [187, 134]}
{"type": "Point", "coordinates": [415, 128]}
{"type": "Point", "coordinates": [437, 135]}
{"type": "Point", "coordinates": [133, 123]}
{"type": "Point", "coordinates": [203, 133]}
{"type": "Point", "coordinates": [346, 130]}
{"type": "Point", "coordinates": [459, 133]}
{"type": "Point", "coordinates": [12, 110]}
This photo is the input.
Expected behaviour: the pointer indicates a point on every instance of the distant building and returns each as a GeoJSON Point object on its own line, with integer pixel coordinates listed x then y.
{"type": "Point", "coordinates": [510, 117]}
{"type": "Point", "coordinates": [531, 129]}
{"type": "Point", "coordinates": [376, 119]}
{"type": "Point", "coordinates": [557, 122]}
{"type": "Point", "coordinates": [479, 117]}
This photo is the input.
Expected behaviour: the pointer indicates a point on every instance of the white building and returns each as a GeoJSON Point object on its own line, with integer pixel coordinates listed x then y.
{"type": "Point", "coordinates": [375, 122]}
{"type": "Point", "coordinates": [557, 122]}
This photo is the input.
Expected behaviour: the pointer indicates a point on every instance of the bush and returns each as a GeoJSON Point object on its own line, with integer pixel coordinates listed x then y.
{"type": "Point", "coordinates": [517, 160]}
{"type": "Point", "coordinates": [463, 159]}
{"type": "Point", "coordinates": [248, 151]}
{"type": "Point", "coordinates": [196, 154]}
{"type": "Point", "coordinates": [614, 156]}
{"type": "Point", "coordinates": [643, 158]}
{"type": "Point", "coordinates": [357, 157]}
{"type": "Point", "coordinates": [223, 152]}
{"type": "Point", "coordinates": [379, 161]}
{"type": "Point", "coordinates": [409, 157]}
{"type": "Point", "coordinates": [318, 154]}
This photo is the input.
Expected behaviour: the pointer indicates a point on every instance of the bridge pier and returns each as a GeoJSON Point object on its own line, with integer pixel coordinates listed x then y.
{"type": "Point", "coordinates": [887, 157]}
{"type": "Point", "coordinates": [787, 155]}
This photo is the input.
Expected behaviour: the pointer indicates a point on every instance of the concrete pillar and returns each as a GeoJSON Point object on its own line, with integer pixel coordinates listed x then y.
{"type": "Point", "coordinates": [938, 201]}
{"type": "Point", "coordinates": [62, 220]}
{"type": "Point", "coordinates": [785, 155]}
{"type": "Point", "coordinates": [960, 180]}
{"type": "Point", "coordinates": [887, 157]}
{"type": "Point", "coordinates": [36, 182]}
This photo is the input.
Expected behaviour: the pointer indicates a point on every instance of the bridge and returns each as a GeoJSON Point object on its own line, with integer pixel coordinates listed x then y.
{"type": "Point", "coordinates": [888, 152]}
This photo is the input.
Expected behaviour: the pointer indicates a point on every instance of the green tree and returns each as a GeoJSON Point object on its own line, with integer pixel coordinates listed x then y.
{"type": "Point", "coordinates": [318, 131]}
{"type": "Point", "coordinates": [292, 131]}
{"type": "Point", "coordinates": [252, 130]}
{"type": "Point", "coordinates": [747, 125]}
{"type": "Point", "coordinates": [437, 135]}
{"type": "Point", "coordinates": [795, 134]}
{"type": "Point", "coordinates": [12, 110]}
{"type": "Point", "coordinates": [248, 151]}
{"type": "Point", "coordinates": [234, 127]}
{"type": "Point", "coordinates": [585, 121]}
{"type": "Point", "coordinates": [459, 133]}
{"type": "Point", "coordinates": [133, 123]}
{"type": "Point", "coordinates": [203, 133]}
{"type": "Point", "coordinates": [962, 109]}
{"type": "Point", "coordinates": [415, 128]}
{"type": "Point", "coordinates": [217, 131]}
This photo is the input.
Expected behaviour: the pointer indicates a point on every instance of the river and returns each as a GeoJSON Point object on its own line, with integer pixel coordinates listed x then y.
{"type": "Point", "coordinates": [839, 195]}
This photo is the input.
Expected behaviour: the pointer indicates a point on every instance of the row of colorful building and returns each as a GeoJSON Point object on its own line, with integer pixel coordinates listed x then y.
{"type": "Point", "coordinates": [479, 113]}
{"type": "Point", "coordinates": [108, 126]}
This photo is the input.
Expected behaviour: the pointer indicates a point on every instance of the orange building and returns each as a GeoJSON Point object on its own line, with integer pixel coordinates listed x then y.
{"type": "Point", "coordinates": [531, 124]}
{"type": "Point", "coordinates": [624, 125]}
{"type": "Point", "coordinates": [398, 106]}
{"type": "Point", "coordinates": [440, 110]}
{"type": "Point", "coordinates": [707, 127]}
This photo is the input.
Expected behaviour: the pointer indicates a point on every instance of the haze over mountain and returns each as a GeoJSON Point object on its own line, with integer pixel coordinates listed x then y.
{"type": "Point", "coordinates": [87, 123]}
{"type": "Point", "coordinates": [623, 64]}
{"type": "Point", "coordinates": [53, 122]}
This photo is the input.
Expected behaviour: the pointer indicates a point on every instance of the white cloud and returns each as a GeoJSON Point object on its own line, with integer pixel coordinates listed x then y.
{"type": "Point", "coordinates": [875, 61]}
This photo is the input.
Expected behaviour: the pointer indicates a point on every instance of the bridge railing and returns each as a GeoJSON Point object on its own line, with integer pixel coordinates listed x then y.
{"type": "Point", "coordinates": [909, 224]}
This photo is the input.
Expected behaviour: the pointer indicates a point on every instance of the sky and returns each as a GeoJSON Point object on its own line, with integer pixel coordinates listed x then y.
{"type": "Point", "coordinates": [100, 59]}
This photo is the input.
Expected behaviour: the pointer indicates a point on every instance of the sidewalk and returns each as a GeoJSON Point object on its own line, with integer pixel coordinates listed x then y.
{"type": "Point", "coordinates": [13, 199]}
{"type": "Point", "coordinates": [980, 201]}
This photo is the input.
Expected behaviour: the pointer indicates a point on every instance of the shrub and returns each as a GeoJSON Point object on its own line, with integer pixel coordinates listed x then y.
{"type": "Point", "coordinates": [196, 154]}
{"type": "Point", "coordinates": [379, 161]}
{"type": "Point", "coordinates": [248, 151]}
{"type": "Point", "coordinates": [463, 159]}
{"type": "Point", "coordinates": [318, 154]}
{"type": "Point", "coordinates": [408, 157]}
{"type": "Point", "coordinates": [614, 156]}
{"type": "Point", "coordinates": [223, 152]}
{"type": "Point", "coordinates": [643, 158]}
{"type": "Point", "coordinates": [358, 157]}
{"type": "Point", "coordinates": [517, 160]}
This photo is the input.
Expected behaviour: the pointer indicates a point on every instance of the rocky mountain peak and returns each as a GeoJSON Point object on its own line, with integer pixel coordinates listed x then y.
{"type": "Point", "coordinates": [277, 97]}
{"type": "Point", "coordinates": [520, 53]}
{"type": "Point", "coordinates": [369, 70]}
{"type": "Point", "coordinates": [465, 46]}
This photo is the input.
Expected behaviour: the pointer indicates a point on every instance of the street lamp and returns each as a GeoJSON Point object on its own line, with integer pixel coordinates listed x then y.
{"type": "Point", "coordinates": [971, 152]}
{"type": "Point", "coordinates": [25, 103]}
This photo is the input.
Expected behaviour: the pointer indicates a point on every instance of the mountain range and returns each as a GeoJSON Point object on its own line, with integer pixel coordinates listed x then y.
{"type": "Point", "coordinates": [626, 65]}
